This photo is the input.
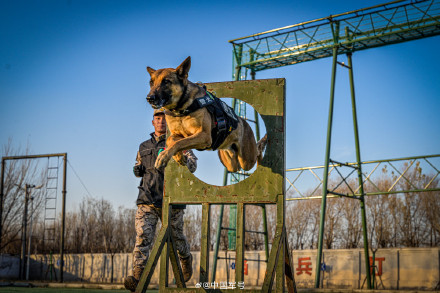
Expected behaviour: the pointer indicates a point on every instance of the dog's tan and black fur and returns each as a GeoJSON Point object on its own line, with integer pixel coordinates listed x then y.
{"type": "Point", "coordinates": [171, 90]}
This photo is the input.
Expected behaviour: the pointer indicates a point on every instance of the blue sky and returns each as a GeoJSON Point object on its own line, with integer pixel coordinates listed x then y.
{"type": "Point", "coordinates": [73, 79]}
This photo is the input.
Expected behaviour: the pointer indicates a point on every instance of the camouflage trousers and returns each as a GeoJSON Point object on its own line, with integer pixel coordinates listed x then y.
{"type": "Point", "coordinates": [146, 222]}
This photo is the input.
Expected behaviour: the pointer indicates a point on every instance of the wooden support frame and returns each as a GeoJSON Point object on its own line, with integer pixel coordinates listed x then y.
{"type": "Point", "coordinates": [264, 186]}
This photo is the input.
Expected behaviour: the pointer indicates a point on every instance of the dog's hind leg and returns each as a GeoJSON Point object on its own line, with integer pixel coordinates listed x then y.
{"type": "Point", "coordinates": [261, 146]}
{"type": "Point", "coordinates": [247, 159]}
{"type": "Point", "coordinates": [229, 159]}
{"type": "Point", "coordinates": [247, 149]}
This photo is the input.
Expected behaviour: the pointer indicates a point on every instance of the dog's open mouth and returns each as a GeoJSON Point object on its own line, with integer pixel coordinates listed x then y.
{"type": "Point", "coordinates": [156, 107]}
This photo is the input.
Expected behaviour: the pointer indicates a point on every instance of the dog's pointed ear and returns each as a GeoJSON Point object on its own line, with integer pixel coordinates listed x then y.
{"type": "Point", "coordinates": [150, 70]}
{"type": "Point", "coordinates": [183, 68]}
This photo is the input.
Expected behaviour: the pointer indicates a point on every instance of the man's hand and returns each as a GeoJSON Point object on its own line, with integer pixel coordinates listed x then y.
{"type": "Point", "coordinates": [139, 170]}
{"type": "Point", "coordinates": [191, 160]}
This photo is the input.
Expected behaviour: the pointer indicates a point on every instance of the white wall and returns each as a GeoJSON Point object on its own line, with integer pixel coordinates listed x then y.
{"type": "Point", "coordinates": [405, 268]}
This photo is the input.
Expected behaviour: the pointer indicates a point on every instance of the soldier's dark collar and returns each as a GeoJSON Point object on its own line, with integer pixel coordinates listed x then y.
{"type": "Point", "coordinates": [158, 138]}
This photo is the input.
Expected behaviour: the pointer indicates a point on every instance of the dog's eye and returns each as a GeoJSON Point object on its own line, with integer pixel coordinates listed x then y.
{"type": "Point", "coordinates": [151, 82]}
{"type": "Point", "coordinates": [166, 81]}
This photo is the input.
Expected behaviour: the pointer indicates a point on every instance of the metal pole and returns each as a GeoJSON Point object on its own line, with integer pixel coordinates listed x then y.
{"type": "Point", "coordinates": [257, 124]}
{"type": "Point", "coordinates": [63, 218]}
{"type": "Point", "coordinates": [30, 238]}
{"type": "Point", "coordinates": [217, 242]}
{"type": "Point", "coordinates": [327, 155]}
{"type": "Point", "coordinates": [219, 231]}
{"type": "Point", "coordinates": [51, 265]}
{"type": "Point", "coordinates": [232, 208]}
{"type": "Point", "coordinates": [23, 231]}
{"type": "Point", "coordinates": [257, 136]}
{"type": "Point", "coordinates": [238, 55]}
{"type": "Point", "coordinates": [251, 59]}
{"type": "Point", "coordinates": [359, 170]}
{"type": "Point", "coordinates": [374, 271]}
{"type": "Point", "coordinates": [1, 200]}
{"type": "Point", "coordinates": [232, 234]}
{"type": "Point", "coordinates": [33, 156]}
{"type": "Point", "coordinates": [266, 236]}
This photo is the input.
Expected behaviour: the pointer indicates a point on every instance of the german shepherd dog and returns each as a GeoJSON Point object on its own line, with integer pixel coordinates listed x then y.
{"type": "Point", "coordinates": [171, 90]}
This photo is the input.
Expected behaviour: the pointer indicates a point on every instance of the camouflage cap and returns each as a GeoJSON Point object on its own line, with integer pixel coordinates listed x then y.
{"type": "Point", "coordinates": [158, 111]}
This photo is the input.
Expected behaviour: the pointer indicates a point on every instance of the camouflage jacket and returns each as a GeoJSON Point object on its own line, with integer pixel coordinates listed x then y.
{"type": "Point", "coordinates": [151, 185]}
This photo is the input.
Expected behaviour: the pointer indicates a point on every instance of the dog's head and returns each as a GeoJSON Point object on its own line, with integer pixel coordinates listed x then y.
{"type": "Point", "coordinates": [167, 86]}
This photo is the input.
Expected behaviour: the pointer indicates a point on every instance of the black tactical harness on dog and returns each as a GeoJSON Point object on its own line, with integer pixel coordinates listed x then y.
{"type": "Point", "coordinates": [225, 118]}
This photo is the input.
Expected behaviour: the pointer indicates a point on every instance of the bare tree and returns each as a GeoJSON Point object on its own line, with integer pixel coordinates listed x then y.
{"type": "Point", "coordinates": [97, 228]}
{"type": "Point", "coordinates": [299, 219]}
{"type": "Point", "coordinates": [409, 220]}
{"type": "Point", "coordinates": [413, 220]}
{"type": "Point", "coordinates": [351, 234]}
{"type": "Point", "coordinates": [431, 206]}
{"type": "Point", "coordinates": [75, 233]}
{"type": "Point", "coordinates": [17, 174]}
{"type": "Point", "coordinates": [192, 226]}
{"type": "Point", "coordinates": [124, 229]}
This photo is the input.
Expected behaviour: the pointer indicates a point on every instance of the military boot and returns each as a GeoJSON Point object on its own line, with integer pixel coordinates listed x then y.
{"type": "Point", "coordinates": [131, 282]}
{"type": "Point", "coordinates": [187, 268]}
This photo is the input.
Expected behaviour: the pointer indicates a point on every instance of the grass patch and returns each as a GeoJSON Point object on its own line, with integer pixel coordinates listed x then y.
{"type": "Point", "coordinates": [61, 290]}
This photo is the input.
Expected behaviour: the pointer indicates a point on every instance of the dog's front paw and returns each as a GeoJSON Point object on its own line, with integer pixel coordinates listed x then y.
{"type": "Point", "coordinates": [180, 159]}
{"type": "Point", "coordinates": [162, 160]}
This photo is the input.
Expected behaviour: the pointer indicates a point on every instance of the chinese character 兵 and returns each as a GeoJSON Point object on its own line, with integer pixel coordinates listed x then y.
{"type": "Point", "coordinates": [304, 266]}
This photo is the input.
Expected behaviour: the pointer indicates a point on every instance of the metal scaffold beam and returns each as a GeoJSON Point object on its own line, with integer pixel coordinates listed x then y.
{"type": "Point", "coordinates": [390, 23]}
{"type": "Point", "coordinates": [400, 183]}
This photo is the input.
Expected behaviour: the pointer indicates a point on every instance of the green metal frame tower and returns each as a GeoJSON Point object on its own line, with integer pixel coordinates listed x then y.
{"type": "Point", "coordinates": [381, 25]}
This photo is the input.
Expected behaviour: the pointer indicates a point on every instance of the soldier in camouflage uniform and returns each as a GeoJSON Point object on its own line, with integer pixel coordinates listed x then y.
{"type": "Point", "coordinates": [149, 204]}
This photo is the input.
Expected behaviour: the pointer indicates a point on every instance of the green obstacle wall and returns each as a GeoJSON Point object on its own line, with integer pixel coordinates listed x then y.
{"type": "Point", "coordinates": [264, 186]}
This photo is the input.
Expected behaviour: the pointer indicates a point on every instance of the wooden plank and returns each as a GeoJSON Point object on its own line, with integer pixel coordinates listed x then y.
{"type": "Point", "coordinates": [164, 266]}
{"type": "Point", "coordinates": [175, 263]}
{"type": "Point", "coordinates": [152, 260]}
{"type": "Point", "coordinates": [205, 245]}
{"type": "Point", "coordinates": [290, 278]}
{"type": "Point", "coordinates": [239, 247]}
{"type": "Point", "coordinates": [273, 259]}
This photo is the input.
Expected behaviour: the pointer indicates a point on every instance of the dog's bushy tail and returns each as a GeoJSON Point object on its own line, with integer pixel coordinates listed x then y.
{"type": "Point", "coordinates": [261, 146]}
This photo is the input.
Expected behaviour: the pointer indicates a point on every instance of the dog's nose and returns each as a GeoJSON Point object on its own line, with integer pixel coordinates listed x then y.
{"type": "Point", "coordinates": [150, 98]}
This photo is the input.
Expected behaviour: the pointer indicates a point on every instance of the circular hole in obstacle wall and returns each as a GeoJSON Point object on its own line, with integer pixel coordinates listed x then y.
{"type": "Point", "coordinates": [209, 168]}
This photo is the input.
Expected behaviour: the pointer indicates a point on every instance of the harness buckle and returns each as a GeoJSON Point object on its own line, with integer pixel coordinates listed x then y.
{"type": "Point", "coordinates": [221, 124]}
